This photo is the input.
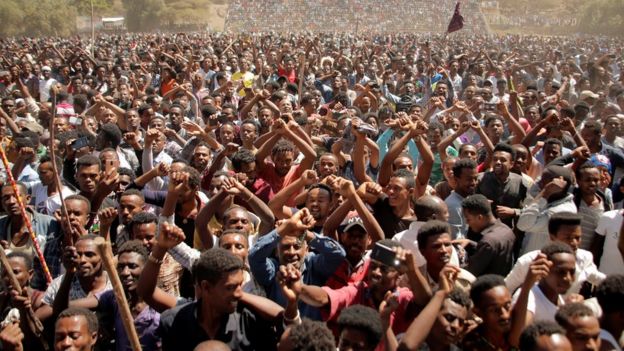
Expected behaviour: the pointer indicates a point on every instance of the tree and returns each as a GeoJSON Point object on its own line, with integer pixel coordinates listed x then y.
{"type": "Point", "coordinates": [83, 7]}
{"type": "Point", "coordinates": [603, 17]}
{"type": "Point", "coordinates": [10, 17]}
{"type": "Point", "coordinates": [143, 15]}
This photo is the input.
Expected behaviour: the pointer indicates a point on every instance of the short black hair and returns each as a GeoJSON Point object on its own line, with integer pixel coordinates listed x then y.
{"type": "Point", "coordinates": [586, 165]}
{"type": "Point", "coordinates": [610, 293]}
{"type": "Point", "coordinates": [553, 171]}
{"type": "Point", "coordinates": [57, 160]}
{"type": "Point", "coordinates": [556, 247]}
{"type": "Point", "coordinates": [23, 189]}
{"type": "Point", "coordinates": [142, 218]}
{"type": "Point", "coordinates": [112, 133]}
{"type": "Point", "coordinates": [491, 118]}
{"type": "Point", "coordinates": [461, 164]}
{"type": "Point", "coordinates": [135, 192]}
{"type": "Point", "coordinates": [554, 141]}
{"type": "Point", "coordinates": [311, 336]}
{"type": "Point", "coordinates": [92, 320]}
{"type": "Point", "coordinates": [194, 179]}
{"type": "Point", "coordinates": [560, 219]}
{"type": "Point", "coordinates": [430, 229]}
{"type": "Point", "coordinates": [364, 319]}
{"type": "Point", "coordinates": [572, 310]}
{"type": "Point", "coordinates": [133, 246]}
{"type": "Point", "coordinates": [594, 126]}
{"type": "Point", "coordinates": [80, 198]}
{"type": "Point", "coordinates": [483, 284]}
{"type": "Point", "coordinates": [127, 171]}
{"type": "Point", "coordinates": [461, 298]}
{"type": "Point", "coordinates": [530, 335]}
{"type": "Point", "coordinates": [242, 157]}
{"type": "Point", "coordinates": [283, 145]}
{"type": "Point", "coordinates": [477, 204]}
{"type": "Point", "coordinates": [28, 260]}
{"type": "Point", "coordinates": [410, 180]}
{"type": "Point", "coordinates": [504, 147]}
{"type": "Point", "coordinates": [214, 264]}
{"type": "Point", "coordinates": [87, 161]}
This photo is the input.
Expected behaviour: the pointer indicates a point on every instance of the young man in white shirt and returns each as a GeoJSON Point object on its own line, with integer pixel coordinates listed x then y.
{"type": "Point", "coordinates": [563, 227]}
{"type": "Point", "coordinates": [605, 245]}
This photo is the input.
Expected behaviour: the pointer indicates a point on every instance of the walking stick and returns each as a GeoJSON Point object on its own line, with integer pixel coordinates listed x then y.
{"type": "Point", "coordinates": [33, 236]}
{"type": "Point", "coordinates": [33, 322]}
{"type": "Point", "coordinates": [106, 253]}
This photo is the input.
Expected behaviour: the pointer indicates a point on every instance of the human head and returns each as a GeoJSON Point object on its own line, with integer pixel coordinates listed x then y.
{"type": "Point", "coordinates": [588, 178]}
{"type": "Point", "coordinates": [22, 266]}
{"type": "Point", "coordinates": [581, 326]}
{"type": "Point", "coordinates": [328, 165]}
{"type": "Point", "coordinates": [610, 294]}
{"type": "Point", "coordinates": [237, 217]}
{"type": "Point", "coordinates": [309, 335]}
{"type": "Point", "coordinates": [434, 242]}
{"type": "Point", "coordinates": [544, 336]}
{"type": "Point", "coordinates": [477, 212]}
{"type": "Point", "coordinates": [400, 187]}
{"type": "Point", "coordinates": [502, 159]}
{"type": "Point", "coordinates": [553, 148]}
{"type": "Point", "coordinates": [360, 328]}
{"type": "Point", "coordinates": [319, 201]}
{"type": "Point", "coordinates": [561, 274]}
{"type": "Point", "coordinates": [244, 161]}
{"type": "Point", "coordinates": [76, 329]}
{"type": "Point", "coordinates": [131, 202]}
{"type": "Point", "coordinates": [9, 198]}
{"type": "Point", "coordinates": [283, 155]}
{"type": "Point", "coordinates": [89, 261]}
{"type": "Point", "coordinates": [131, 258]}
{"type": "Point", "coordinates": [428, 207]}
{"type": "Point", "coordinates": [591, 133]}
{"type": "Point", "coordinates": [218, 276]}
{"type": "Point", "coordinates": [552, 172]}
{"type": "Point", "coordinates": [201, 157]}
{"type": "Point", "coordinates": [450, 322]}
{"type": "Point", "coordinates": [492, 302]}
{"type": "Point", "coordinates": [142, 227]}
{"type": "Point", "coordinates": [565, 227]}
{"type": "Point", "coordinates": [109, 136]}
{"type": "Point", "coordinates": [78, 209]}
{"type": "Point", "coordinates": [465, 174]}
{"type": "Point", "coordinates": [88, 169]}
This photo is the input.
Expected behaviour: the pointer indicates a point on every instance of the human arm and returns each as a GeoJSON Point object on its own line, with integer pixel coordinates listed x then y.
{"type": "Point", "coordinates": [448, 140]}
{"type": "Point", "coordinates": [520, 315]}
{"type": "Point", "coordinates": [420, 328]}
{"type": "Point", "coordinates": [169, 237]}
{"type": "Point", "coordinates": [534, 217]}
{"type": "Point", "coordinates": [385, 171]}
{"type": "Point", "coordinates": [205, 215]}
{"type": "Point", "coordinates": [346, 189]}
{"type": "Point", "coordinates": [426, 155]}
{"type": "Point", "coordinates": [15, 130]}
{"type": "Point", "coordinates": [278, 203]}
{"type": "Point", "coordinates": [258, 207]}
{"type": "Point", "coordinates": [370, 192]}
{"type": "Point", "coordinates": [514, 125]}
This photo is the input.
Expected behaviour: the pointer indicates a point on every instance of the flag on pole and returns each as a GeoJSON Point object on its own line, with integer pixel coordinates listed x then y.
{"type": "Point", "coordinates": [457, 21]}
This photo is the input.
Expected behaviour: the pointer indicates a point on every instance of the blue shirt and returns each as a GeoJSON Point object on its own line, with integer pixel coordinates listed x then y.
{"type": "Point", "coordinates": [323, 258]}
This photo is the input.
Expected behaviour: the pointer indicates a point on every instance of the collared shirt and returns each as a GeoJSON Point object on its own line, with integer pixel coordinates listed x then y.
{"type": "Point", "coordinates": [511, 193]}
{"type": "Point", "coordinates": [494, 252]}
{"type": "Point", "coordinates": [146, 323]}
{"type": "Point", "coordinates": [244, 330]}
{"type": "Point", "coordinates": [48, 230]}
{"type": "Point", "coordinates": [75, 291]}
{"type": "Point", "coordinates": [348, 274]}
{"type": "Point", "coordinates": [323, 258]}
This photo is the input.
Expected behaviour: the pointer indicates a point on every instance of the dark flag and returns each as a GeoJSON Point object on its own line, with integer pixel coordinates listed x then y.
{"type": "Point", "coordinates": [457, 22]}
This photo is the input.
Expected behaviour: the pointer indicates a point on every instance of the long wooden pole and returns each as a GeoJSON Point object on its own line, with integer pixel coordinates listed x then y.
{"type": "Point", "coordinates": [33, 236]}
{"type": "Point", "coordinates": [33, 322]}
{"type": "Point", "coordinates": [106, 253]}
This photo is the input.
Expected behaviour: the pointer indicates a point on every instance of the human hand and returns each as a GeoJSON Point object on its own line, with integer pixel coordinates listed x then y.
{"type": "Point", "coordinates": [26, 154]}
{"type": "Point", "coordinates": [567, 125]}
{"type": "Point", "coordinates": [169, 236]}
{"type": "Point", "coordinates": [231, 149]}
{"type": "Point", "coordinates": [193, 128]}
{"type": "Point", "coordinates": [177, 182]}
{"type": "Point", "coordinates": [151, 136]}
{"type": "Point", "coordinates": [387, 307]}
{"type": "Point", "coordinates": [555, 186]}
{"type": "Point", "coordinates": [299, 223]}
{"type": "Point", "coordinates": [309, 177]}
{"type": "Point", "coordinates": [162, 169]}
{"type": "Point", "coordinates": [108, 182]}
{"type": "Point", "coordinates": [447, 278]}
{"type": "Point", "coordinates": [11, 337]}
{"type": "Point", "coordinates": [373, 188]}
{"type": "Point", "coordinates": [289, 279]}
{"type": "Point", "coordinates": [132, 139]}
{"type": "Point", "coordinates": [70, 259]}
{"type": "Point", "coordinates": [344, 187]}
{"type": "Point", "coordinates": [539, 268]}
{"type": "Point", "coordinates": [107, 216]}
{"type": "Point", "coordinates": [581, 153]}
{"type": "Point", "coordinates": [505, 212]}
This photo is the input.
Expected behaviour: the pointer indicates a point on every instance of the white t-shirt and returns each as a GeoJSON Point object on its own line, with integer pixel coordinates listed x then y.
{"type": "Point", "coordinates": [539, 305]}
{"type": "Point", "coordinates": [47, 204]}
{"type": "Point", "coordinates": [609, 226]}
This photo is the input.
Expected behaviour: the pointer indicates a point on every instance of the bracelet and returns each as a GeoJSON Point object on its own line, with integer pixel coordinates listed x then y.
{"type": "Point", "coordinates": [154, 260]}
{"type": "Point", "coordinates": [296, 320]}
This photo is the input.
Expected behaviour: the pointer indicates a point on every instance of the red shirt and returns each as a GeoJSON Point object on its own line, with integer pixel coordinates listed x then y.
{"type": "Point", "coordinates": [276, 182]}
{"type": "Point", "coordinates": [346, 274]}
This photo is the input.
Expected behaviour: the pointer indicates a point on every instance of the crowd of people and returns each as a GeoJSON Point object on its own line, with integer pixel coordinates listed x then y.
{"type": "Point", "coordinates": [363, 16]}
{"type": "Point", "coordinates": [312, 192]}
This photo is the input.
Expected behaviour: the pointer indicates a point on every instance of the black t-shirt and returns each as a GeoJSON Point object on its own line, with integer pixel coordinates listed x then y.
{"type": "Point", "coordinates": [389, 222]}
{"type": "Point", "coordinates": [242, 330]}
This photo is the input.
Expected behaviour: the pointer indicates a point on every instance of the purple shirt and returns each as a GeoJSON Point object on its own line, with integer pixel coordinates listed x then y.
{"type": "Point", "coordinates": [145, 324]}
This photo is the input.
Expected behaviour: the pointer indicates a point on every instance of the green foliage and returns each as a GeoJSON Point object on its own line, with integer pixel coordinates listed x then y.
{"type": "Point", "coordinates": [143, 15]}
{"type": "Point", "coordinates": [603, 17]}
{"type": "Point", "coordinates": [10, 17]}
{"type": "Point", "coordinates": [83, 7]}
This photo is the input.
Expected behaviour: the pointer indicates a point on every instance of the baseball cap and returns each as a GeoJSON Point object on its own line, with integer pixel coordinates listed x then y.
{"type": "Point", "coordinates": [351, 221]}
{"type": "Point", "coordinates": [601, 161]}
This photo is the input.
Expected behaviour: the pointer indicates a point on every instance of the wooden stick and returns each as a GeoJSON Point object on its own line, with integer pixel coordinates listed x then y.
{"type": "Point", "coordinates": [33, 322]}
{"type": "Point", "coordinates": [106, 253]}
{"type": "Point", "coordinates": [68, 237]}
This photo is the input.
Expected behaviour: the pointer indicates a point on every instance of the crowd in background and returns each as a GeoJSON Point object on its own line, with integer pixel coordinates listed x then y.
{"type": "Point", "coordinates": [266, 191]}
